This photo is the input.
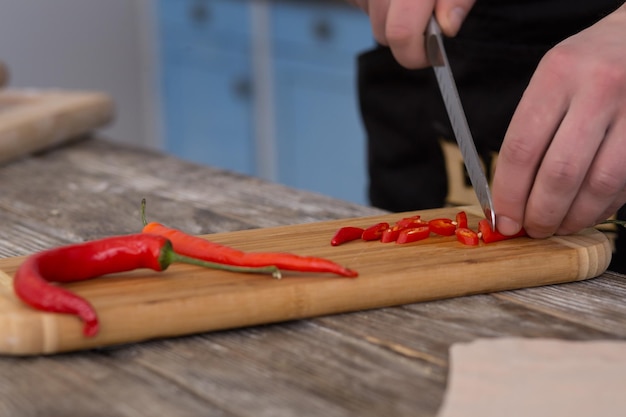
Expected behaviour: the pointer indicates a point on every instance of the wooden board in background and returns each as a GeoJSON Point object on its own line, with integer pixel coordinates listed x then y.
{"type": "Point", "coordinates": [144, 304]}
{"type": "Point", "coordinates": [32, 120]}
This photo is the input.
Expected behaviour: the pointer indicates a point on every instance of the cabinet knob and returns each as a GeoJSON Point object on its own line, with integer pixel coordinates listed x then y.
{"type": "Point", "coordinates": [323, 30]}
{"type": "Point", "coordinates": [200, 12]}
{"type": "Point", "coordinates": [242, 88]}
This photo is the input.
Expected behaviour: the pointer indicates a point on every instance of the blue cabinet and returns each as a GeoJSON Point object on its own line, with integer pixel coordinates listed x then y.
{"type": "Point", "coordinates": [206, 79]}
{"type": "Point", "coordinates": [320, 141]}
{"type": "Point", "coordinates": [208, 72]}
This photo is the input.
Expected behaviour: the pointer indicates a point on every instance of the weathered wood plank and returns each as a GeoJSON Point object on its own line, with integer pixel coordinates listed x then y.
{"type": "Point", "coordinates": [94, 189]}
{"type": "Point", "coordinates": [92, 385]}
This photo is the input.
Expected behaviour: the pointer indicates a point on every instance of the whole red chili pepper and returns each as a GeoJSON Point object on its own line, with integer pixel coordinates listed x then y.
{"type": "Point", "coordinates": [92, 259]}
{"type": "Point", "coordinates": [200, 248]}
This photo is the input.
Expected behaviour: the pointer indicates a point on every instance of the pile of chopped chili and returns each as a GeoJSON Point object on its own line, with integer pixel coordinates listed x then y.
{"type": "Point", "coordinates": [414, 228]}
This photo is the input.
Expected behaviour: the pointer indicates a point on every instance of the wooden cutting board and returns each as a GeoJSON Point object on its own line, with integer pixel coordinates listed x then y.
{"type": "Point", "coordinates": [143, 304]}
{"type": "Point", "coordinates": [32, 120]}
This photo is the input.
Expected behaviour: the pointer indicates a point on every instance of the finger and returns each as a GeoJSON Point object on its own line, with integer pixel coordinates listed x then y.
{"type": "Point", "coordinates": [405, 28]}
{"type": "Point", "coordinates": [377, 10]}
{"type": "Point", "coordinates": [613, 208]}
{"type": "Point", "coordinates": [603, 189]}
{"type": "Point", "coordinates": [564, 167]}
{"type": "Point", "coordinates": [451, 14]}
{"type": "Point", "coordinates": [530, 132]}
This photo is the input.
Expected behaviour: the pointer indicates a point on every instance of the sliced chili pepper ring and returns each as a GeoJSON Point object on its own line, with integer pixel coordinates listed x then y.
{"type": "Point", "coordinates": [413, 234]}
{"type": "Point", "coordinates": [461, 220]}
{"type": "Point", "coordinates": [442, 226]}
{"type": "Point", "coordinates": [466, 236]}
{"type": "Point", "coordinates": [489, 236]}
{"type": "Point", "coordinates": [375, 232]}
{"type": "Point", "coordinates": [412, 221]}
{"type": "Point", "coordinates": [391, 234]}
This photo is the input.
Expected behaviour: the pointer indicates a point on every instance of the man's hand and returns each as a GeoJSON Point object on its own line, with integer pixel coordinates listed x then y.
{"type": "Point", "coordinates": [401, 24]}
{"type": "Point", "coordinates": [562, 165]}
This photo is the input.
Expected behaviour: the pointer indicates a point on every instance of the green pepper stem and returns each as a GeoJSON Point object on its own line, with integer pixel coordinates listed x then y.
{"type": "Point", "coordinates": [172, 257]}
{"type": "Point", "coordinates": [617, 222]}
{"type": "Point", "coordinates": [143, 211]}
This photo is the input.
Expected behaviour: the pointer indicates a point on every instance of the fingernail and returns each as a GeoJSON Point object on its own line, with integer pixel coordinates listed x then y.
{"type": "Point", "coordinates": [456, 17]}
{"type": "Point", "coordinates": [507, 226]}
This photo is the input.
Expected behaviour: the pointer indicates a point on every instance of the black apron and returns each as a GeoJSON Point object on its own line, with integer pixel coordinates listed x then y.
{"type": "Point", "coordinates": [493, 58]}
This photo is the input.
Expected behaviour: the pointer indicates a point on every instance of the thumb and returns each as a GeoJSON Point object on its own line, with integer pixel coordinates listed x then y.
{"type": "Point", "coordinates": [451, 14]}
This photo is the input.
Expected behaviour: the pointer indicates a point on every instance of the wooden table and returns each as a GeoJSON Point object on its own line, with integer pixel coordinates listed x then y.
{"type": "Point", "coordinates": [392, 361]}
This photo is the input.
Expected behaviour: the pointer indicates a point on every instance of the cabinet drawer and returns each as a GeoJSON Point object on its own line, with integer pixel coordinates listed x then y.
{"type": "Point", "coordinates": [301, 29]}
{"type": "Point", "coordinates": [197, 21]}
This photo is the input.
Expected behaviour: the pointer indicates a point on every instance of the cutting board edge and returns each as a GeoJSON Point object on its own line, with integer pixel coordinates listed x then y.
{"type": "Point", "coordinates": [46, 330]}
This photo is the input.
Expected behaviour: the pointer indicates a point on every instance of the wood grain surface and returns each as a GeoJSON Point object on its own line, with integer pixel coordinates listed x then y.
{"type": "Point", "coordinates": [33, 120]}
{"type": "Point", "coordinates": [387, 361]}
{"type": "Point", "coordinates": [185, 299]}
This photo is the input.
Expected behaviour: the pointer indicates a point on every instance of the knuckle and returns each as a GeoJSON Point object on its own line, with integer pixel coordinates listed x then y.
{"type": "Point", "coordinates": [605, 183]}
{"type": "Point", "coordinates": [562, 173]}
{"type": "Point", "coordinates": [518, 151]}
{"type": "Point", "coordinates": [608, 75]}
{"type": "Point", "coordinates": [559, 60]}
{"type": "Point", "coordinates": [398, 34]}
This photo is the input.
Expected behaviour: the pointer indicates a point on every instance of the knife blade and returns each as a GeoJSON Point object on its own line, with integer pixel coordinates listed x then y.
{"type": "Point", "coordinates": [439, 61]}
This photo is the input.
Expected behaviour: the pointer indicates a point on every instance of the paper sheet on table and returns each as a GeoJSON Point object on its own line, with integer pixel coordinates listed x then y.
{"type": "Point", "coordinates": [536, 377]}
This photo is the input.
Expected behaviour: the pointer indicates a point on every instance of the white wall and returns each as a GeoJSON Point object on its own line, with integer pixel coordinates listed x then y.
{"type": "Point", "coordinates": [104, 45]}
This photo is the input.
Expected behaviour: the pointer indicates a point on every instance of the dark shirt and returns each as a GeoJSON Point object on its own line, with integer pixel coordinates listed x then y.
{"type": "Point", "coordinates": [544, 22]}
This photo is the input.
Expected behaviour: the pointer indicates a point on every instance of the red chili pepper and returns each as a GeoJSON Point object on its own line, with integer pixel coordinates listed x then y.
{"type": "Point", "coordinates": [375, 232]}
{"type": "Point", "coordinates": [461, 220]}
{"type": "Point", "coordinates": [442, 226]}
{"type": "Point", "coordinates": [200, 248]}
{"type": "Point", "coordinates": [346, 234]}
{"type": "Point", "coordinates": [488, 235]}
{"type": "Point", "coordinates": [413, 221]}
{"type": "Point", "coordinates": [92, 259]}
{"type": "Point", "coordinates": [466, 236]}
{"type": "Point", "coordinates": [391, 234]}
{"type": "Point", "coordinates": [413, 234]}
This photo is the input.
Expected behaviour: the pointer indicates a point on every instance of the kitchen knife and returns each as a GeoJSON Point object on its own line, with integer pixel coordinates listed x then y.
{"type": "Point", "coordinates": [439, 60]}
